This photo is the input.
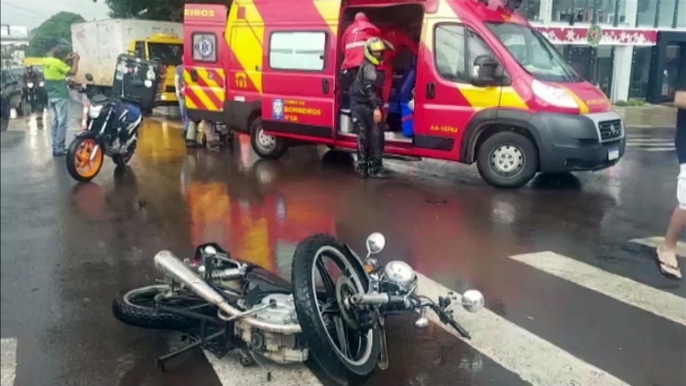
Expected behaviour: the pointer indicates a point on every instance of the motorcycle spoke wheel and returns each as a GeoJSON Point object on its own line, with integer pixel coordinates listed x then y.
{"type": "Point", "coordinates": [350, 345]}
{"type": "Point", "coordinates": [87, 163]}
{"type": "Point", "coordinates": [346, 354]}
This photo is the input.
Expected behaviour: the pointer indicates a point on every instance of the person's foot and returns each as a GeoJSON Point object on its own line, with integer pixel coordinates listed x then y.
{"type": "Point", "coordinates": [59, 153]}
{"type": "Point", "coordinates": [190, 143]}
{"type": "Point", "coordinates": [376, 170]}
{"type": "Point", "coordinates": [362, 169]}
{"type": "Point", "coordinates": [667, 263]}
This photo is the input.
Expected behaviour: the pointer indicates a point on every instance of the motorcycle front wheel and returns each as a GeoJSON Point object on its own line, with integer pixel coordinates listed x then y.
{"type": "Point", "coordinates": [84, 159]}
{"type": "Point", "coordinates": [348, 355]}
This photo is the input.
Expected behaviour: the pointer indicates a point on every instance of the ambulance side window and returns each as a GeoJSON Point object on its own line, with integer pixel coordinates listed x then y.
{"type": "Point", "coordinates": [204, 47]}
{"type": "Point", "coordinates": [476, 47]}
{"type": "Point", "coordinates": [297, 50]}
{"type": "Point", "coordinates": [449, 40]}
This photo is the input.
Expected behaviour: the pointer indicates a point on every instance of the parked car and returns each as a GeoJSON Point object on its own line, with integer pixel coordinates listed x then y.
{"type": "Point", "coordinates": [10, 96]}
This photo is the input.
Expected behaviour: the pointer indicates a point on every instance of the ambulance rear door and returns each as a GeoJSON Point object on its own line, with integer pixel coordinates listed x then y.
{"type": "Point", "coordinates": [205, 54]}
{"type": "Point", "coordinates": [299, 72]}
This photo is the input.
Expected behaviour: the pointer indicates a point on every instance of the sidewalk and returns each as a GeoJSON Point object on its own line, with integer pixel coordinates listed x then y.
{"type": "Point", "coordinates": [648, 116]}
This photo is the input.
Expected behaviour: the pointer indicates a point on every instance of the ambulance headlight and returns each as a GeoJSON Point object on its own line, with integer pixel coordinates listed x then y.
{"type": "Point", "coordinates": [553, 95]}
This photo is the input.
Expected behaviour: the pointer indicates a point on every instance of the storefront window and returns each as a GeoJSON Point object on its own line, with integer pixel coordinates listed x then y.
{"type": "Point", "coordinates": [646, 13]}
{"type": "Point", "coordinates": [640, 72]}
{"type": "Point", "coordinates": [671, 72]}
{"type": "Point", "coordinates": [581, 11]}
{"type": "Point", "coordinates": [605, 69]}
{"type": "Point", "coordinates": [563, 10]}
{"type": "Point", "coordinates": [530, 9]}
{"type": "Point", "coordinates": [666, 16]}
{"type": "Point", "coordinates": [681, 15]}
{"type": "Point", "coordinates": [622, 6]}
{"type": "Point", "coordinates": [582, 59]}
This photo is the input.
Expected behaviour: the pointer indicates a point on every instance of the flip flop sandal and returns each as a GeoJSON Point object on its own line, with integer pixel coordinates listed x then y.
{"type": "Point", "coordinates": [662, 266]}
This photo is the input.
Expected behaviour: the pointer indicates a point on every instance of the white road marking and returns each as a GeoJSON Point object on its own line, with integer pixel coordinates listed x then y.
{"type": "Point", "coordinates": [8, 358]}
{"type": "Point", "coordinates": [231, 373]}
{"type": "Point", "coordinates": [649, 140]}
{"type": "Point", "coordinates": [534, 359]}
{"type": "Point", "coordinates": [660, 149]}
{"type": "Point", "coordinates": [617, 287]}
{"type": "Point", "coordinates": [654, 242]}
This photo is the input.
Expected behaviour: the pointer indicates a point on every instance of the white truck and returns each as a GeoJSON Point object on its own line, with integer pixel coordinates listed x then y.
{"type": "Point", "coordinates": [99, 43]}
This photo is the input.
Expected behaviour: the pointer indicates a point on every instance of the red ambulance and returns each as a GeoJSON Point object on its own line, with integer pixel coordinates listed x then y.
{"type": "Point", "coordinates": [485, 87]}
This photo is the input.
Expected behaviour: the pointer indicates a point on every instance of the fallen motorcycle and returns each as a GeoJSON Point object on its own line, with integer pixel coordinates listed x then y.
{"type": "Point", "coordinates": [334, 308]}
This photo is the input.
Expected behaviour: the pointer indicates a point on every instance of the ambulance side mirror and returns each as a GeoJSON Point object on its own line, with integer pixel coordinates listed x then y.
{"type": "Point", "coordinates": [485, 72]}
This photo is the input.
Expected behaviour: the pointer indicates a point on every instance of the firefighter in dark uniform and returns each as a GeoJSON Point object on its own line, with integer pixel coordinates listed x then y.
{"type": "Point", "coordinates": [366, 104]}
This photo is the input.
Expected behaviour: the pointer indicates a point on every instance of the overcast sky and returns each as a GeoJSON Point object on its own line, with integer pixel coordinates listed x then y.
{"type": "Point", "coordinates": [31, 13]}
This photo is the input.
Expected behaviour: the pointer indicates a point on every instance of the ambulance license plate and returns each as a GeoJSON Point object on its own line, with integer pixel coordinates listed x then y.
{"type": "Point", "coordinates": [613, 154]}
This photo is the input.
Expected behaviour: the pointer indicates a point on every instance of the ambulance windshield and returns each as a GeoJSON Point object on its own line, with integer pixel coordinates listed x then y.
{"type": "Point", "coordinates": [534, 52]}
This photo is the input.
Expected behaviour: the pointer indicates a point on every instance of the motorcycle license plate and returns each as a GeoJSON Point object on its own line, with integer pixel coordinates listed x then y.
{"type": "Point", "coordinates": [613, 154]}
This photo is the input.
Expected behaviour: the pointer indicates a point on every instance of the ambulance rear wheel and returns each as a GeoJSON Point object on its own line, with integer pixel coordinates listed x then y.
{"type": "Point", "coordinates": [266, 145]}
{"type": "Point", "coordinates": [507, 160]}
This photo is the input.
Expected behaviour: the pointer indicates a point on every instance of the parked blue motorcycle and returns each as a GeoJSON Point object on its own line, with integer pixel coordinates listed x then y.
{"type": "Point", "coordinates": [112, 130]}
{"type": "Point", "coordinates": [114, 120]}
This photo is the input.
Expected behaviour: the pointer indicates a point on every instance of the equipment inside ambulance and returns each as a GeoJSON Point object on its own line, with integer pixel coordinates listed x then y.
{"type": "Point", "coordinates": [484, 87]}
{"type": "Point", "coordinates": [167, 49]}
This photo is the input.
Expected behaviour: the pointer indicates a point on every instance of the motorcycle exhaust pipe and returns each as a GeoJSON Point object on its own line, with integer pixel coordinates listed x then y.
{"type": "Point", "coordinates": [171, 266]}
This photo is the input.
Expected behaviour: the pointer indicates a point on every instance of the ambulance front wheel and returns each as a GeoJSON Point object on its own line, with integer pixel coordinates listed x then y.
{"type": "Point", "coordinates": [266, 145]}
{"type": "Point", "coordinates": [507, 160]}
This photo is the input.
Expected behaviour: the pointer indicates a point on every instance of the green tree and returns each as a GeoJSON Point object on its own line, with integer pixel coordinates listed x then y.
{"type": "Point", "coordinates": [58, 26]}
{"type": "Point", "coordinates": [167, 10]}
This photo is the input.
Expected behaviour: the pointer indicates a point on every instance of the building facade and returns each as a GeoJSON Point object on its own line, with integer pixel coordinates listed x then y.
{"type": "Point", "coordinates": [642, 48]}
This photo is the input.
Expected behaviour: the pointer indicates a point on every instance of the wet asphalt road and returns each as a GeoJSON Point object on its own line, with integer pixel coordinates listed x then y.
{"type": "Point", "coordinates": [67, 248]}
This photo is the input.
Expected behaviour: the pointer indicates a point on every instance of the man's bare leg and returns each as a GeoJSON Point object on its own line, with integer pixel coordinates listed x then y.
{"type": "Point", "coordinates": [667, 251]}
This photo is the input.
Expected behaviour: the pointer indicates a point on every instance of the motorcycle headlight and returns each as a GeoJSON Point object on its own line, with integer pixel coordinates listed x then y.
{"type": "Point", "coordinates": [400, 273]}
{"type": "Point", "coordinates": [29, 85]}
{"type": "Point", "coordinates": [94, 111]}
{"type": "Point", "coordinates": [41, 84]}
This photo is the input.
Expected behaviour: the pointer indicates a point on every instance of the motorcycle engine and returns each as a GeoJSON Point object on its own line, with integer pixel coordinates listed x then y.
{"type": "Point", "coordinates": [283, 313]}
{"type": "Point", "coordinates": [281, 348]}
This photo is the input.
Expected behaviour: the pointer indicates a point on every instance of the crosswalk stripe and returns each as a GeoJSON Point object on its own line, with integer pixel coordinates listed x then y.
{"type": "Point", "coordinates": [654, 242]}
{"type": "Point", "coordinates": [231, 373]}
{"type": "Point", "coordinates": [8, 358]}
{"type": "Point", "coordinates": [660, 149]}
{"type": "Point", "coordinates": [617, 287]}
{"type": "Point", "coordinates": [650, 140]}
{"type": "Point", "coordinates": [534, 359]}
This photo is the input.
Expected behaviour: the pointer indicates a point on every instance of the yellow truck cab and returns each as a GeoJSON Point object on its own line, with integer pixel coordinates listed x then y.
{"type": "Point", "coordinates": [168, 50]}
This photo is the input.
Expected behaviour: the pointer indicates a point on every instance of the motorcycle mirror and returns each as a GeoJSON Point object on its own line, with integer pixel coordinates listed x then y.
{"type": "Point", "coordinates": [375, 243]}
{"type": "Point", "coordinates": [89, 77]}
{"type": "Point", "coordinates": [473, 301]}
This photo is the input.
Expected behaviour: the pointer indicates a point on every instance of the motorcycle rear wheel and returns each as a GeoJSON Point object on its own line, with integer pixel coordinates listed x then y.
{"type": "Point", "coordinates": [323, 340]}
{"type": "Point", "coordinates": [122, 159]}
{"type": "Point", "coordinates": [136, 307]}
